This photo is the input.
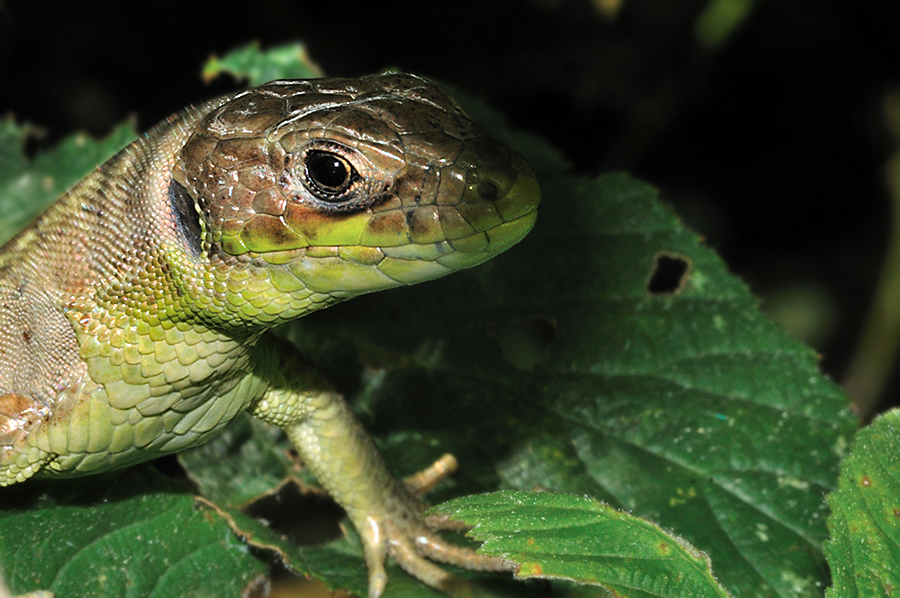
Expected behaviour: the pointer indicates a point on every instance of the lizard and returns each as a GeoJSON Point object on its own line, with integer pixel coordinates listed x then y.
{"type": "Point", "coordinates": [136, 312]}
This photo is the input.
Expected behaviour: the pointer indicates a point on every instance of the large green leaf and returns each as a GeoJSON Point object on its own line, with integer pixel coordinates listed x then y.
{"type": "Point", "coordinates": [864, 549]}
{"type": "Point", "coordinates": [133, 535]}
{"type": "Point", "coordinates": [564, 536]}
{"type": "Point", "coordinates": [557, 364]}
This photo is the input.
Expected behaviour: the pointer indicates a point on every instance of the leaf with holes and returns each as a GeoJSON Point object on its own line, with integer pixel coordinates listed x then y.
{"type": "Point", "coordinates": [571, 364]}
{"type": "Point", "coordinates": [864, 549]}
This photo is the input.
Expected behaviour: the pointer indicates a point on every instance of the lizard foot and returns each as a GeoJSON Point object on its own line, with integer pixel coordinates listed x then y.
{"type": "Point", "coordinates": [413, 542]}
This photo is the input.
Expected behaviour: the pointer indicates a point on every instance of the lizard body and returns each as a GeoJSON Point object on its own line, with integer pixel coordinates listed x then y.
{"type": "Point", "coordinates": [134, 312]}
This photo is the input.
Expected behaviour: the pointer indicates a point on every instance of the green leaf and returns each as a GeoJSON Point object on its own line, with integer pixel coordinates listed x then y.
{"type": "Point", "coordinates": [284, 62]}
{"type": "Point", "coordinates": [133, 535]}
{"type": "Point", "coordinates": [864, 549]}
{"type": "Point", "coordinates": [28, 188]}
{"type": "Point", "coordinates": [577, 538]}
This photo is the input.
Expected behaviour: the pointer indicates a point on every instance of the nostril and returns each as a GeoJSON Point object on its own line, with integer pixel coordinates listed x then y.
{"type": "Point", "coordinates": [487, 190]}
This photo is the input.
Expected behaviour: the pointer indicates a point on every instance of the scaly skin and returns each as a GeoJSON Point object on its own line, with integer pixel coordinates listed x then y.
{"type": "Point", "coordinates": [135, 311]}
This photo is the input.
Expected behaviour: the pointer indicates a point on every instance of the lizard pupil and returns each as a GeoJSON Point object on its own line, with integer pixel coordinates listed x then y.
{"type": "Point", "coordinates": [328, 173]}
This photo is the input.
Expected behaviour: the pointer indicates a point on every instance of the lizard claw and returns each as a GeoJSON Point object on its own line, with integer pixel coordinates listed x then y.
{"type": "Point", "coordinates": [377, 581]}
{"type": "Point", "coordinates": [414, 542]}
{"type": "Point", "coordinates": [375, 548]}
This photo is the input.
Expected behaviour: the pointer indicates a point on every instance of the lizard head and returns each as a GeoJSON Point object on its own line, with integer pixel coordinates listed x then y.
{"type": "Point", "coordinates": [347, 186]}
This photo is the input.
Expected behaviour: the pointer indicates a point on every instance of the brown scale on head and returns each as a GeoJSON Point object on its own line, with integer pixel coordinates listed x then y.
{"type": "Point", "coordinates": [298, 165]}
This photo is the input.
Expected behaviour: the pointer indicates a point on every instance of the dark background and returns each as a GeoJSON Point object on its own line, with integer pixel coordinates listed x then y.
{"type": "Point", "coordinates": [772, 144]}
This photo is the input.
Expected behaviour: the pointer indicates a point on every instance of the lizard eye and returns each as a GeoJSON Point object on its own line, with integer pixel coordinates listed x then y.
{"type": "Point", "coordinates": [332, 177]}
{"type": "Point", "coordinates": [329, 176]}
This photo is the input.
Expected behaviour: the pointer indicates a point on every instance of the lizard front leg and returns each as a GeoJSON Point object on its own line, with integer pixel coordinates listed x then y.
{"type": "Point", "coordinates": [342, 456]}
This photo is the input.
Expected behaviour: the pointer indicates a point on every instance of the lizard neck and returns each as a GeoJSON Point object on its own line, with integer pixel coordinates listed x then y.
{"type": "Point", "coordinates": [164, 284]}
{"type": "Point", "coordinates": [242, 295]}
{"type": "Point", "coordinates": [149, 264]}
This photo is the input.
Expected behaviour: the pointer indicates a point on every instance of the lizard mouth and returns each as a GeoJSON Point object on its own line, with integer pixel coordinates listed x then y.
{"type": "Point", "coordinates": [409, 264]}
{"type": "Point", "coordinates": [517, 211]}
{"type": "Point", "coordinates": [405, 246]}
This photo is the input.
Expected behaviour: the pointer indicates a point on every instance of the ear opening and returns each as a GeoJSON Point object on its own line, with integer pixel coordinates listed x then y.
{"type": "Point", "coordinates": [187, 219]}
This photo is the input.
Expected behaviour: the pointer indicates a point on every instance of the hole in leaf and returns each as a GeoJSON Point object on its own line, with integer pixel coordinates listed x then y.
{"type": "Point", "coordinates": [524, 342]}
{"type": "Point", "coordinates": [671, 272]}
